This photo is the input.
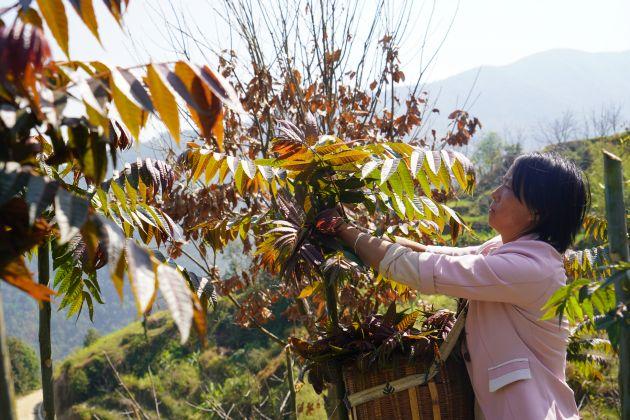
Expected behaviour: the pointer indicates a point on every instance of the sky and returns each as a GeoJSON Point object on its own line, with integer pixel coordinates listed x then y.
{"type": "Point", "coordinates": [469, 33]}
{"type": "Point", "coordinates": [457, 35]}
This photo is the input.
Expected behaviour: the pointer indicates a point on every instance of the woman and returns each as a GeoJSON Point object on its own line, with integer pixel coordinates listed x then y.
{"type": "Point", "coordinates": [517, 362]}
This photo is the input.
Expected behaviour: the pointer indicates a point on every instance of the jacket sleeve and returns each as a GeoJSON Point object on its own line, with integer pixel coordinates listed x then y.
{"type": "Point", "coordinates": [453, 250]}
{"type": "Point", "coordinates": [517, 273]}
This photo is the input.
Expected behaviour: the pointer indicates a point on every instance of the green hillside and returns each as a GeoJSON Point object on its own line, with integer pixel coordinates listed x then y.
{"type": "Point", "coordinates": [586, 153]}
{"type": "Point", "coordinates": [240, 372]}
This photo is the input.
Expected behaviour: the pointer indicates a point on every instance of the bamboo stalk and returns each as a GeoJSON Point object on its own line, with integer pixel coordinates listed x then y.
{"type": "Point", "coordinates": [618, 243]}
{"type": "Point", "coordinates": [45, 352]}
{"type": "Point", "coordinates": [291, 380]}
{"type": "Point", "coordinates": [7, 397]}
{"type": "Point", "coordinates": [333, 315]}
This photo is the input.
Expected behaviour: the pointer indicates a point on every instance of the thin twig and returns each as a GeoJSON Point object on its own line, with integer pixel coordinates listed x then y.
{"type": "Point", "coordinates": [129, 394]}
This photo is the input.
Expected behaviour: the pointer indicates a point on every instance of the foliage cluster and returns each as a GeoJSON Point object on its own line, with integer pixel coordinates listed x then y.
{"type": "Point", "coordinates": [24, 366]}
{"type": "Point", "coordinates": [373, 342]}
{"type": "Point", "coordinates": [53, 166]}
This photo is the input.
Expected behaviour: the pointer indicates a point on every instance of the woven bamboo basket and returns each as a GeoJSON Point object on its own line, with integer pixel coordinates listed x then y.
{"type": "Point", "coordinates": [417, 390]}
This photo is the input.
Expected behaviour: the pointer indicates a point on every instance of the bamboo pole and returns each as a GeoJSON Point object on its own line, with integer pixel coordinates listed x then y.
{"type": "Point", "coordinates": [7, 398]}
{"type": "Point", "coordinates": [291, 380]}
{"type": "Point", "coordinates": [330, 282]}
{"type": "Point", "coordinates": [45, 353]}
{"type": "Point", "coordinates": [618, 243]}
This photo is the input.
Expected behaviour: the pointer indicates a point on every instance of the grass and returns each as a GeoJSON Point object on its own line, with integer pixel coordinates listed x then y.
{"type": "Point", "coordinates": [116, 343]}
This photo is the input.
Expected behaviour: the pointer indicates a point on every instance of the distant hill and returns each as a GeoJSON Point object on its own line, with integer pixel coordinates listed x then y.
{"type": "Point", "coordinates": [535, 89]}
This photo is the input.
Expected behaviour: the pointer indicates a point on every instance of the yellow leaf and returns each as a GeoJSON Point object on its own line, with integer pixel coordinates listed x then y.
{"type": "Point", "coordinates": [131, 193]}
{"type": "Point", "coordinates": [130, 111]}
{"type": "Point", "coordinates": [200, 165]}
{"type": "Point", "coordinates": [347, 156]}
{"type": "Point", "coordinates": [31, 16]}
{"type": "Point", "coordinates": [212, 167]}
{"type": "Point", "coordinates": [223, 170]}
{"type": "Point", "coordinates": [401, 148]}
{"type": "Point", "coordinates": [85, 10]}
{"type": "Point", "coordinates": [221, 89]}
{"type": "Point", "coordinates": [329, 148]}
{"type": "Point", "coordinates": [205, 109]}
{"type": "Point", "coordinates": [54, 13]}
{"type": "Point", "coordinates": [163, 98]}
{"type": "Point", "coordinates": [310, 289]}
{"type": "Point", "coordinates": [17, 274]}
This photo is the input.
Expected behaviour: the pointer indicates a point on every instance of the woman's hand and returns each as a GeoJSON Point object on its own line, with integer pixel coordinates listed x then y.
{"type": "Point", "coordinates": [329, 221]}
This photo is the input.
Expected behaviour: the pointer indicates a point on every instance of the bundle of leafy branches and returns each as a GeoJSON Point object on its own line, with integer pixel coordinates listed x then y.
{"type": "Point", "coordinates": [375, 341]}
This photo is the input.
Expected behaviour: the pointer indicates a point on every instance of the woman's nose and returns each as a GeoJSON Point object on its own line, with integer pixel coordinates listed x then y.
{"type": "Point", "coordinates": [495, 194]}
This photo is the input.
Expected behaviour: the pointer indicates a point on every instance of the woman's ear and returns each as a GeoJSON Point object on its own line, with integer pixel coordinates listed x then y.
{"type": "Point", "coordinates": [534, 216]}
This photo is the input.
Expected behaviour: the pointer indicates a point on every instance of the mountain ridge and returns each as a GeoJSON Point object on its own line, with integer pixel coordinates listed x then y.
{"type": "Point", "coordinates": [534, 90]}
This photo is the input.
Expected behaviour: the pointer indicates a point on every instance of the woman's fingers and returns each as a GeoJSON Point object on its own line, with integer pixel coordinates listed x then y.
{"type": "Point", "coordinates": [328, 221]}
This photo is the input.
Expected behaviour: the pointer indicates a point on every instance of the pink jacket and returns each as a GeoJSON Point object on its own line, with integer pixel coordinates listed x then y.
{"type": "Point", "coordinates": [517, 361]}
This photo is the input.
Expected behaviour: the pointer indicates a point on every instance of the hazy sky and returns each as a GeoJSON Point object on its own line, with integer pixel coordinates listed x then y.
{"type": "Point", "coordinates": [484, 32]}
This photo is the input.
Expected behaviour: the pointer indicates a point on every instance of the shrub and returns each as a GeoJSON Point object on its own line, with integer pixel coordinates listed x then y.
{"type": "Point", "coordinates": [79, 384]}
{"type": "Point", "coordinates": [181, 380]}
{"type": "Point", "coordinates": [24, 365]}
{"type": "Point", "coordinates": [91, 336]}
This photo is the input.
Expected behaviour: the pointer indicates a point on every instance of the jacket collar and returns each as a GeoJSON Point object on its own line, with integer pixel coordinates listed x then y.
{"type": "Point", "coordinates": [527, 237]}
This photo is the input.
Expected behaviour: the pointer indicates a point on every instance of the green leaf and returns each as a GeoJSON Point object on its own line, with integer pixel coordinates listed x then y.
{"type": "Point", "coordinates": [176, 293]}
{"type": "Point", "coordinates": [424, 183]}
{"type": "Point", "coordinates": [120, 195]}
{"type": "Point", "coordinates": [406, 181]}
{"type": "Point", "coordinates": [239, 180]}
{"type": "Point", "coordinates": [396, 184]}
{"type": "Point", "coordinates": [71, 212]}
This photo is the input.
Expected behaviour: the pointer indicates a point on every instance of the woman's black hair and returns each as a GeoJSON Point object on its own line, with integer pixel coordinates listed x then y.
{"type": "Point", "coordinates": [558, 193]}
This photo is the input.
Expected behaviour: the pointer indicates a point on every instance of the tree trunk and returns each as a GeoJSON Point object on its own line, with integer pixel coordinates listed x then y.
{"type": "Point", "coordinates": [339, 393]}
{"type": "Point", "coordinates": [618, 242]}
{"type": "Point", "coordinates": [7, 401]}
{"type": "Point", "coordinates": [45, 356]}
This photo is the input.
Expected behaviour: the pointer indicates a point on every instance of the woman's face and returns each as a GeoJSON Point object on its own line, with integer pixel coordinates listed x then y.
{"type": "Point", "coordinates": [507, 215]}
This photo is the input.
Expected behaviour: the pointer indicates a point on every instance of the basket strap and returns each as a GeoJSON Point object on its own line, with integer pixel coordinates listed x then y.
{"type": "Point", "coordinates": [413, 402]}
{"type": "Point", "coordinates": [416, 379]}
{"type": "Point", "coordinates": [435, 400]}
